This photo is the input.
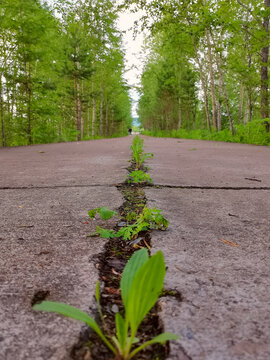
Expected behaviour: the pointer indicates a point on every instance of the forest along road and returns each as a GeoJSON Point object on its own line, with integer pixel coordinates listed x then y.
{"type": "Point", "coordinates": [46, 192]}
{"type": "Point", "coordinates": [217, 247]}
{"type": "Point", "coordinates": [216, 197]}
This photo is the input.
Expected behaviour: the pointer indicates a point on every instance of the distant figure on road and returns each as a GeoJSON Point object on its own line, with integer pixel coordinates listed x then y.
{"type": "Point", "coordinates": [129, 131]}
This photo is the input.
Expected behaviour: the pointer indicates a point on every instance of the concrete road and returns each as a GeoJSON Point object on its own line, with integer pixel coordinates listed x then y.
{"type": "Point", "coordinates": [217, 247]}
{"type": "Point", "coordinates": [216, 197]}
{"type": "Point", "coordinates": [45, 194]}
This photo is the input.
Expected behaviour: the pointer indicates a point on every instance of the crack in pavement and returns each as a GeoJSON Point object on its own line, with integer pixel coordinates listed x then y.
{"type": "Point", "coordinates": [164, 186]}
{"type": "Point", "coordinates": [155, 186]}
{"type": "Point", "coordinates": [56, 186]}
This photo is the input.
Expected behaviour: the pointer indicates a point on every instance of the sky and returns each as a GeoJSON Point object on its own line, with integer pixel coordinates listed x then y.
{"type": "Point", "coordinates": [134, 54]}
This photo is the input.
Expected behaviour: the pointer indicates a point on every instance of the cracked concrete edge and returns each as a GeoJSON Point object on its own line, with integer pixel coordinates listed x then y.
{"type": "Point", "coordinates": [59, 259]}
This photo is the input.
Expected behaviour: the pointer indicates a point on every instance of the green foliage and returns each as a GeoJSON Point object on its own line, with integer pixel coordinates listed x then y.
{"type": "Point", "coordinates": [138, 177]}
{"type": "Point", "coordinates": [141, 285]}
{"type": "Point", "coordinates": [148, 219]}
{"type": "Point", "coordinates": [104, 213]}
{"type": "Point", "coordinates": [104, 233]}
{"type": "Point", "coordinates": [57, 67]}
{"type": "Point", "coordinates": [252, 133]}
{"type": "Point", "coordinates": [138, 156]}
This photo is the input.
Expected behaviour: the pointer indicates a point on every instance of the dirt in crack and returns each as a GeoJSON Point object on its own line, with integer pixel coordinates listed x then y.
{"type": "Point", "coordinates": [110, 264]}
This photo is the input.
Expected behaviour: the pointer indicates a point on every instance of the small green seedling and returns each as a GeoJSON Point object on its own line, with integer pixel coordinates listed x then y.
{"type": "Point", "coordinates": [138, 177]}
{"type": "Point", "coordinates": [104, 233]}
{"type": "Point", "coordinates": [141, 285]}
{"type": "Point", "coordinates": [104, 213]}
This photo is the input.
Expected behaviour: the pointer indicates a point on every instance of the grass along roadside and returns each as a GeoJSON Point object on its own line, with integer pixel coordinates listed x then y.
{"type": "Point", "coordinates": [252, 133]}
{"type": "Point", "coordinates": [131, 283]}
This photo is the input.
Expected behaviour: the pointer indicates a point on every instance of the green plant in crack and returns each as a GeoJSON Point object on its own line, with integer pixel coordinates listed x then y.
{"type": "Point", "coordinates": [138, 156]}
{"type": "Point", "coordinates": [104, 213]}
{"type": "Point", "coordinates": [141, 285]}
{"type": "Point", "coordinates": [148, 219]}
{"type": "Point", "coordinates": [138, 177]}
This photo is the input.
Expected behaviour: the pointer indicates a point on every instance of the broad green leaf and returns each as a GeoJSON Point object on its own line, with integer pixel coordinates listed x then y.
{"type": "Point", "coordinates": [137, 260]}
{"type": "Point", "coordinates": [144, 290]}
{"type": "Point", "coordinates": [74, 313]}
{"type": "Point", "coordinates": [121, 330]}
{"type": "Point", "coordinates": [162, 338]}
{"type": "Point", "coordinates": [106, 213]}
{"type": "Point", "coordinates": [105, 233]}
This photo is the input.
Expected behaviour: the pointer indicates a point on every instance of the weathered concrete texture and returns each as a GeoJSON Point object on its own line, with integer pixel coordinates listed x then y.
{"type": "Point", "coordinates": [225, 313]}
{"type": "Point", "coordinates": [208, 163]}
{"type": "Point", "coordinates": [43, 246]}
{"type": "Point", "coordinates": [83, 163]}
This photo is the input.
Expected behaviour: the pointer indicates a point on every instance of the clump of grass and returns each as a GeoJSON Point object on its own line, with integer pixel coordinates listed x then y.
{"type": "Point", "coordinates": [138, 177]}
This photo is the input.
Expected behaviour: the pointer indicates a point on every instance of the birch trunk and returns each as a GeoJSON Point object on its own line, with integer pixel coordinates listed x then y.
{"type": "Point", "coordinates": [101, 110]}
{"type": "Point", "coordinates": [264, 69]}
{"type": "Point", "coordinates": [204, 87]}
{"type": "Point", "coordinates": [3, 135]}
{"type": "Point", "coordinates": [241, 102]}
{"type": "Point", "coordinates": [212, 79]}
{"type": "Point", "coordinates": [77, 108]}
{"type": "Point", "coordinates": [93, 111]}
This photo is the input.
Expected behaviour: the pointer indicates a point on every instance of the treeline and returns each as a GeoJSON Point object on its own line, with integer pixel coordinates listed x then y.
{"type": "Point", "coordinates": [61, 72]}
{"type": "Point", "coordinates": [208, 65]}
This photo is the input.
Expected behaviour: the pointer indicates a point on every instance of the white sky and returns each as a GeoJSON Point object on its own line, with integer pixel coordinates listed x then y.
{"type": "Point", "coordinates": [134, 55]}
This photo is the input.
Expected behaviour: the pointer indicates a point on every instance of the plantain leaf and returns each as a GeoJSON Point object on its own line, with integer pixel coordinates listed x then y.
{"type": "Point", "coordinates": [74, 313]}
{"type": "Point", "coordinates": [121, 330]}
{"type": "Point", "coordinates": [162, 338]}
{"type": "Point", "coordinates": [137, 260]}
{"type": "Point", "coordinates": [143, 290]}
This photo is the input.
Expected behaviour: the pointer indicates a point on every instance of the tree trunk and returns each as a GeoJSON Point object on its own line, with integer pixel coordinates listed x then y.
{"type": "Point", "coordinates": [29, 98]}
{"type": "Point", "coordinates": [224, 89]}
{"type": "Point", "coordinates": [241, 103]}
{"type": "Point", "coordinates": [107, 119]}
{"type": "Point", "coordinates": [219, 106]}
{"type": "Point", "coordinates": [264, 71]}
{"type": "Point", "coordinates": [81, 110]}
{"type": "Point", "coordinates": [77, 107]}
{"type": "Point", "coordinates": [212, 79]}
{"type": "Point", "coordinates": [101, 110]}
{"type": "Point", "coordinates": [264, 68]}
{"type": "Point", "coordinates": [88, 119]}
{"type": "Point", "coordinates": [204, 87]}
{"type": "Point", "coordinates": [179, 125]}
{"type": "Point", "coordinates": [225, 94]}
{"type": "Point", "coordinates": [3, 135]}
{"type": "Point", "coordinates": [94, 117]}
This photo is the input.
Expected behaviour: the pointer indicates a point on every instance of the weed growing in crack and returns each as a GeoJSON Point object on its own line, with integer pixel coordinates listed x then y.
{"type": "Point", "coordinates": [104, 213]}
{"type": "Point", "coordinates": [138, 156]}
{"type": "Point", "coordinates": [138, 177]}
{"type": "Point", "coordinates": [148, 219]}
{"type": "Point", "coordinates": [141, 285]}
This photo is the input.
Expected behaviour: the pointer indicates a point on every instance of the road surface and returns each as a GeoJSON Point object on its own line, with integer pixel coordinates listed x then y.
{"type": "Point", "coordinates": [216, 197]}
